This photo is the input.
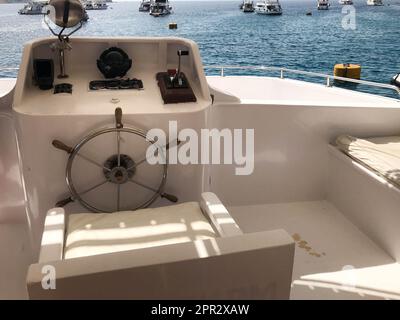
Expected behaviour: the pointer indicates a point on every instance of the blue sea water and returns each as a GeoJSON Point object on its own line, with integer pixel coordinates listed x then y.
{"type": "Point", "coordinates": [227, 36]}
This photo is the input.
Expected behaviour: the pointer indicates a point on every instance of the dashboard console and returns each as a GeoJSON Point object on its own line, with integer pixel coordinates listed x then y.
{"type": "Point", "coordinates": [143, 75]}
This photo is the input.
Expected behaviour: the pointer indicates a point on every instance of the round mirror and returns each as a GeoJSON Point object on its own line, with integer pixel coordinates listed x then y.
{"type": "Point", "coordinates": [66, 13]}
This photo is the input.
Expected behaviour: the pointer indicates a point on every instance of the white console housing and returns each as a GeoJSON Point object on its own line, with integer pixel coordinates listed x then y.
{"type": "Point", "coordinates": [149, 56]}
{"type": "Point", "coordinates": [42, 116]}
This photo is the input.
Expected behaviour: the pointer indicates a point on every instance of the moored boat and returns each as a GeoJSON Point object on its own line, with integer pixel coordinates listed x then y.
{"type": "Point", "coordinates": [248, 6]}
{"type": "Point", "coordinates": [33, 8]}
{"type": "Point", "coordinates": [145, 6]}
{"type": "Point", "coordinates": [100, 5]}
{"type": "Point", "coordinates": [376, 3]}
{"type": "Point", "coordinates": [323, 4]}
{"type": "Point", "coordinates": [268, 7]}
{"type": "Point", "coordinates": [159, 8]}
{"type": "Point", "coordinates": [95, 5]}
{"type": "Point", "coordinates": [346, 2]}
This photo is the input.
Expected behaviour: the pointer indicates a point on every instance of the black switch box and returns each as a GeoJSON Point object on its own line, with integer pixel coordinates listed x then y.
{"type": "Point", "coordinates": [43, 73]}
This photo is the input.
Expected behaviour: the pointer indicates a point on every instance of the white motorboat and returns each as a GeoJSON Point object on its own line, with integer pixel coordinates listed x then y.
{"type": "Point", "coordinates": [323, 5]}
{"type": "Point", "coordinates": [96, 5]}
{"type": "Point", "coordinates": [33, 8]}
{"type": "Point", "coordinates": [159, 8]}
{"type": "Point", "coordinates": [377, 3]}
{"type": "Point", "coordinates": [300, 201]}
{"type": "Point", "coordinates": [100, 5]}
{"type": "Point", "coordinates": [88, 5]}
{"type": "Point", "coordinates": [248, 6]}
{"type": "Point", "coordinates": [268, 7]}
{"type": "Point", "coordinates": [346, 2]}
{"type": "Point", "coordinates": [145, 6]}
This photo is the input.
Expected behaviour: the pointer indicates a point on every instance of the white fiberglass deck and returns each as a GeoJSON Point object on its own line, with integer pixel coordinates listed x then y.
{"type": "Point", "coordinates": [15, 253]}
{"type": "Point", "coordinates": [6, 85]}
{"type": "Point", "coordinates": [275, 91]}
{"type": "Point", "coordinates": [333, 258]}
{"type": "Point", "coordinates": [328, 247]}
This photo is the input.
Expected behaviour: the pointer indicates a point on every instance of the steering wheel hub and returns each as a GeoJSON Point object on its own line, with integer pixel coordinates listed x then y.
{"type": "Point", "coordinates": [120, 169]}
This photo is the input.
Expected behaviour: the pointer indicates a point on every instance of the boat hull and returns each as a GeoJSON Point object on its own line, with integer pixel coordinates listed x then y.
{"type": "Point", "coordinates": [160, 13]}
{"type": "Point", "coordinates": [269, 13]}
{"type": "Point", "coordinates": [30, 13]}
{"type": "Point", "coordinates": [269, 9]}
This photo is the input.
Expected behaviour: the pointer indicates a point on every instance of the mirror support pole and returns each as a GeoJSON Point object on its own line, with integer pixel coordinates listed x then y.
{"type": "Point", "coordinates": [61, 51]}
{"type": "Point", "coordinates": [62, 45]}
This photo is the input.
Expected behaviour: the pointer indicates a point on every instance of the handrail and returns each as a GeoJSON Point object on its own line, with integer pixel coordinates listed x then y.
{"type": "Point", "coordinates": [8, 68]}
{"type": "Point", "coordinates": [282, 72]}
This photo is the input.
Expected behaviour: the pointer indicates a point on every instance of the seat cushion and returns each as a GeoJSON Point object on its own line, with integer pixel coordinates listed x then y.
{"type": "Point", "coordinates": [99, 233]}
{"type": "Point", "coordinates": [382, 155]}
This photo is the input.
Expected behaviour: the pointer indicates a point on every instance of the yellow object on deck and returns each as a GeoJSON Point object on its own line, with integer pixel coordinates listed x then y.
{"type": "Point", "coordinates": [347, 70]}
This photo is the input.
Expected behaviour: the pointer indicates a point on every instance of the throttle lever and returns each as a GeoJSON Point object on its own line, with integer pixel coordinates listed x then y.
{"type": "Point", "coordinates": [178, 73]}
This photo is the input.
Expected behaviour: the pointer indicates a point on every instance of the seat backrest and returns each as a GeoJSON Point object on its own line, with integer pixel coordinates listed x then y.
{"type": "Point", "coordinates": [249, 266]}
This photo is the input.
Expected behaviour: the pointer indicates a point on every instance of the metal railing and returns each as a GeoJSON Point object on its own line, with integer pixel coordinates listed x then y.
{"type": "Point", "coordinates": [9, 69]}
{"type": "Point", "coordinates": [329, 79]}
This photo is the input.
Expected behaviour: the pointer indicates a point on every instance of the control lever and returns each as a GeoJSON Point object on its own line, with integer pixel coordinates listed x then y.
{"type": "Point", "coordinates": [174, 85]}
{"type": "Point", "coordinates": [178, 78]}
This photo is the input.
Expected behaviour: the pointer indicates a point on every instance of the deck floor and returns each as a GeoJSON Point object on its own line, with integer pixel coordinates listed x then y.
{"type": "Point", "coordinates": [15, 253]}
{"type": "Point", "coordinates": [333, 258]}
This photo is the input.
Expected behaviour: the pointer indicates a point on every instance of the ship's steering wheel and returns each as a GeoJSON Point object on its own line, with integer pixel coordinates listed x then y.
{"type": "Point", "coordinates": [118, 171]}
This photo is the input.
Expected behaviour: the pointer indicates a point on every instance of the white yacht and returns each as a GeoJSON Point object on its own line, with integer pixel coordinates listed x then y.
{"type": "Point", "coordinates": [96, 5]}
{"type": "Point", "coordinates": [145, 6]}
{"type": "Point", "coordinates": [106, 193]}
{"type": "Point", "coordinates": [159, 8]}
{"type": "Point", "coordinates": [269, 7]}
{"type": "Point", "coordinates": [323, 5]}
{"type": "Point", "coordinates": [33, 8]}
{"type": "Point", "coordinates": [248, 6]}
{"type": "Point", "coordinates": [100, 5]}
{"type": "Point", "coordinates": [346, 2]}
{"type": "Point", "coordinates": [88, 5]}
{"type": "Point", "coordinates": [375, 2]}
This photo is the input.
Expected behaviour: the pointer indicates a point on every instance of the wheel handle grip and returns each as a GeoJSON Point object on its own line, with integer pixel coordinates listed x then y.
{"type": "Point", "coordinates": [118, 118]}
{"type": "Point", "coordinates": [64, 202]}
{"type": "Point", "coordinates": [62, 146]}
{"type": "Point", "coordinates": [169, 197]}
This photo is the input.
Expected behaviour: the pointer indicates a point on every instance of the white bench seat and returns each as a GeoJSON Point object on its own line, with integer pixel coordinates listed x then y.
{"type": "Point", "coordinates": [381, 155]}
{"type": "Point", "coordinates": [91, 234]}
{"type": "Point", "coordinates": [186, 251]}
